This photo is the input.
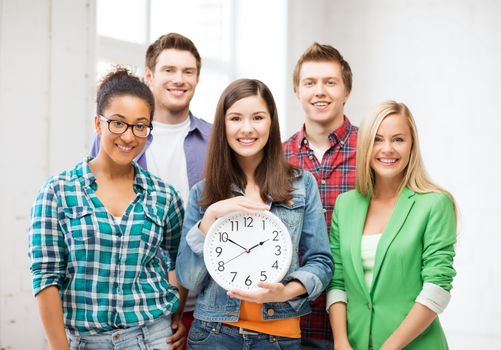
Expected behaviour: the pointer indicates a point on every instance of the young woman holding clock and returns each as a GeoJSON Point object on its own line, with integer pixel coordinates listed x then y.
{"type": "Point", "coordinates": [247, 172]}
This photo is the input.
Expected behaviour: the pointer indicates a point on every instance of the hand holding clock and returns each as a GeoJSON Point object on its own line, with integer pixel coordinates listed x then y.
{"type": "Point", "coordinates": [270, 292]}
{"type": "Point", "coordinates": [234, 204]}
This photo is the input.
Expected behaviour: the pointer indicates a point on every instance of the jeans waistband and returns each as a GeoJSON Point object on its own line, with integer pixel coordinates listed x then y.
{"type": "Point", "coordinates": [122, 335]}
{"type": "Point", "coordinates": [219, 327]}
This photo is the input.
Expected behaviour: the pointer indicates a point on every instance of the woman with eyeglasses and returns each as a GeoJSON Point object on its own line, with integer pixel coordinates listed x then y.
{"type": "Point", "coordinates": [104, 235]}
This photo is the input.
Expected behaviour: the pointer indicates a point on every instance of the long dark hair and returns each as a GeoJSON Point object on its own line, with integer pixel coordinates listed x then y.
{"type": "Point", "coordinates": [274, 175]}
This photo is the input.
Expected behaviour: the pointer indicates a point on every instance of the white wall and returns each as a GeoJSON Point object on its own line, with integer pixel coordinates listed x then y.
{"type": "Point", "coordinates": [307, 21]}
{"type": "Point", "coordinates": [46, 89]}
{"type": "Point", "coordinates": [260, 48]}
{"type": "Point", "coordinates": [441, 58]}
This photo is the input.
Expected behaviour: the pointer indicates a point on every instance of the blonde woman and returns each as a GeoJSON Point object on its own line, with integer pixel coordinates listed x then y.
{"type": "Point", "coordinates": [392, 239]}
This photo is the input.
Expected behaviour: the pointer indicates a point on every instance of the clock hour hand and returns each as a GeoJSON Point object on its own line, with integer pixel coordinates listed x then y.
{"type": "Point", "coordinates": [235, 243]}
{"type": "Point", "coordinates": [256, 245]}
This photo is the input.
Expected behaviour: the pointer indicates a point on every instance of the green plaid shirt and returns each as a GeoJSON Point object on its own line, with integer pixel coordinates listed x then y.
{"type": "Point", "coordinates": [110, 275]}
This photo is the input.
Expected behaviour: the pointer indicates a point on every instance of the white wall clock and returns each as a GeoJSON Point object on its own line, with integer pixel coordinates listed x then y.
{"type": "Point", "coordinates": [242, 249]}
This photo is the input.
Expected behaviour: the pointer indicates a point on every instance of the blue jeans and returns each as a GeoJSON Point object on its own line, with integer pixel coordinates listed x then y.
{"type": "Point", "coordinates": [151, 336]}
{"type": "Point", "coordinates": [219, 336]}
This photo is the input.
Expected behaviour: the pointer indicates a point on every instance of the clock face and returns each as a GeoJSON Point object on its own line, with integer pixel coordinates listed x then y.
{"type": "Point", "coordinates": [242, 249]}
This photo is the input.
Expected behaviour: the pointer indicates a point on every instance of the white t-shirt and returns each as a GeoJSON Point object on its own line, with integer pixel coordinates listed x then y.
{"type": "Point", "coordinates": [319, 152]}
{"type": "Point", "coordinates": [165, 156]}
{"type": "Point", "coordinates": [368, 253]}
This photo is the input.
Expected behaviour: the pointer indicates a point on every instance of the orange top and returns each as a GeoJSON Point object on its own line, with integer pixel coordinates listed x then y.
{"type": "Point", "coordinates": [251, 318]}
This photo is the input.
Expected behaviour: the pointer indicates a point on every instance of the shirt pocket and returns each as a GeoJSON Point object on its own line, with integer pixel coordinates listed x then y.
{"type": "Point", "coordinates": [291, 212]}
{"type": "Point", "coordinates": [152, 232]}
{"type": "Point", "coordinates": [78, 223]}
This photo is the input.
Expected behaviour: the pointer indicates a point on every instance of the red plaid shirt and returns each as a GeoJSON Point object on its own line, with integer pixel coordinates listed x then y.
{"type": "Point", "coordinates": [334, 175]}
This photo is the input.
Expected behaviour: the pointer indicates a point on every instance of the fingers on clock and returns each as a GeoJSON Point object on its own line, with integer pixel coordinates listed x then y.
{"type": "Point", "coordinates": [238, 294]}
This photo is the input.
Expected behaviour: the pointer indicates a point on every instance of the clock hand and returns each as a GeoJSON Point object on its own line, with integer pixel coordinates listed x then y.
{"type": "Point", "coordinates": [235, 257]}
{"type": "Point", "coordinates": [256, 245]}
{"type": "Point", "coordinates": [235, 243]}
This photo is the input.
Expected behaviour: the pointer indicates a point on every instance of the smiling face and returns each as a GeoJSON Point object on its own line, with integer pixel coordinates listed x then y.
{"type": "Point", "coordinates": [392, 149]}
{"type": "Point", "coordinates": [122, 149]}
{"type": "Point", "coordinates": [322, 93]}
{"type": "Point", "coordinates": [173, 80]}
{"type": "Point", "coordinates": [247, 124]}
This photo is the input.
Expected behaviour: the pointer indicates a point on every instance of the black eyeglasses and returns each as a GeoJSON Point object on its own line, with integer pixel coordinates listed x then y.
{"type": "Point", "coordinates": [119, 127]}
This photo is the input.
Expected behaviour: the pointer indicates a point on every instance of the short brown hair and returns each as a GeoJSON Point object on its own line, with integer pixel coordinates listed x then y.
{"type": "Point", "coordinates": [322, 53]}
{"type": "Point", "coordinates": [171, 41]}
{"type": "Point", "coordinates": [274, 175]}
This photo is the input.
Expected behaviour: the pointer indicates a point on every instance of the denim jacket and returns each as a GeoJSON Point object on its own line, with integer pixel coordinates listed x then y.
{"type": "Point", "coordinates": [305, 222]}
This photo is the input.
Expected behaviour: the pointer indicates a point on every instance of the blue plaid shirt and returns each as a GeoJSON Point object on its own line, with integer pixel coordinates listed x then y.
{"type": "Point", "coordinates": [110, 275]}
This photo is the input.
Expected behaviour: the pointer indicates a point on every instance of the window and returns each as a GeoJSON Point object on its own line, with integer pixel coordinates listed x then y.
{"type": "Point", "coordinates": [235, 39]}
{"type": "Point", "coordinates": [123, 39]}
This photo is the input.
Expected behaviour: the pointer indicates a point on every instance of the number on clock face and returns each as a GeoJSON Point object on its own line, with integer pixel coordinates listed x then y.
{"type": "Point", "coordinates": [243, 249]}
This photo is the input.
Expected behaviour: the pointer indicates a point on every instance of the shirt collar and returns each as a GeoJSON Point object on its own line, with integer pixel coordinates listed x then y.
{"type": "Point", "coordinates": [87, 178]}
{"type": "Point", "coordinates": [196, 124]}
{"type": "Point", "coordinates": [84, 174]}
{"type": "Point", "coordinates": [239, 192]}
{"type": "Point", "coordinates": [340, 135]}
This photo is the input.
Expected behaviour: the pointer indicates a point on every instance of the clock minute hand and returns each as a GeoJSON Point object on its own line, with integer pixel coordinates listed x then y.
{"type": "Point", "coordinates": [256, 245]}
{"type": "Point", "coordinates": [235, 257]}
{"type": "Point", "coordinates": [235, 243]}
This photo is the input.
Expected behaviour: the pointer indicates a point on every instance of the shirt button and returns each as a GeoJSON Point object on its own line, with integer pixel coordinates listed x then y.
{"type": "Point", "coordinates": [369, 305]}
{"type": "Point", "coordinates": [324, 210]}
{"type": "Point", "coordinates": [322, 181]}
{"type": "Point", "coordinates": [270, 312]}
{"type": "Point", "coordinates": [311, 157]}
{"type": "Point", "coordinates": [305, 141]}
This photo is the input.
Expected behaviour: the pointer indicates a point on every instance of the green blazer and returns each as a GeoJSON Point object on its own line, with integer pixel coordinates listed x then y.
{"type": "Point", "coordinates": [417, 246]}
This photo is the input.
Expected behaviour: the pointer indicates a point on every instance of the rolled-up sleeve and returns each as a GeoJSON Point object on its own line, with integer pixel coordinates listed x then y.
{"type": "Point", "coordinates": [335, 296]}
{"type": "Point", "coordinates": [438, 244]}
{"type": "Point", "coordinates": [434, 297]}
{"type": "Point", "coordinates": [47, 248]}
{"type": "Point", "coordinates": [438, 254]}
{"type": "Point", "coordinates": [337, 280]}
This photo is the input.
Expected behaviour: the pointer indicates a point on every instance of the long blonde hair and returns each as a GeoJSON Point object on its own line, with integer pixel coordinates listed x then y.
{"type": "Point", "coordinates": [415, 178]}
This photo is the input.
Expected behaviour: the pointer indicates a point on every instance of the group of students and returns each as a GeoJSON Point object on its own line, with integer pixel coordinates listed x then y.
{"type": "Point", "coordinates": [116, 243]}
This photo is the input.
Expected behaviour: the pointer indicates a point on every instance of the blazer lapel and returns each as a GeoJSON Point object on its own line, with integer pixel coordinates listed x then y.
{"type": "Point", "coordinates": [402, 208]}
{"type": "Point", "coordinates": [360, 210]}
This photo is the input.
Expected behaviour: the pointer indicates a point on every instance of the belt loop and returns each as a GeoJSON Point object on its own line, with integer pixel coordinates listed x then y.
{"type": "Point", "coordinates": [216, 326]}
{"type": "Point", "coordinates": [146, 332]}
{"type": "Point", "coordinates": [81, 344]}
{"type": "Point", "coordinates": [76, 340]}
